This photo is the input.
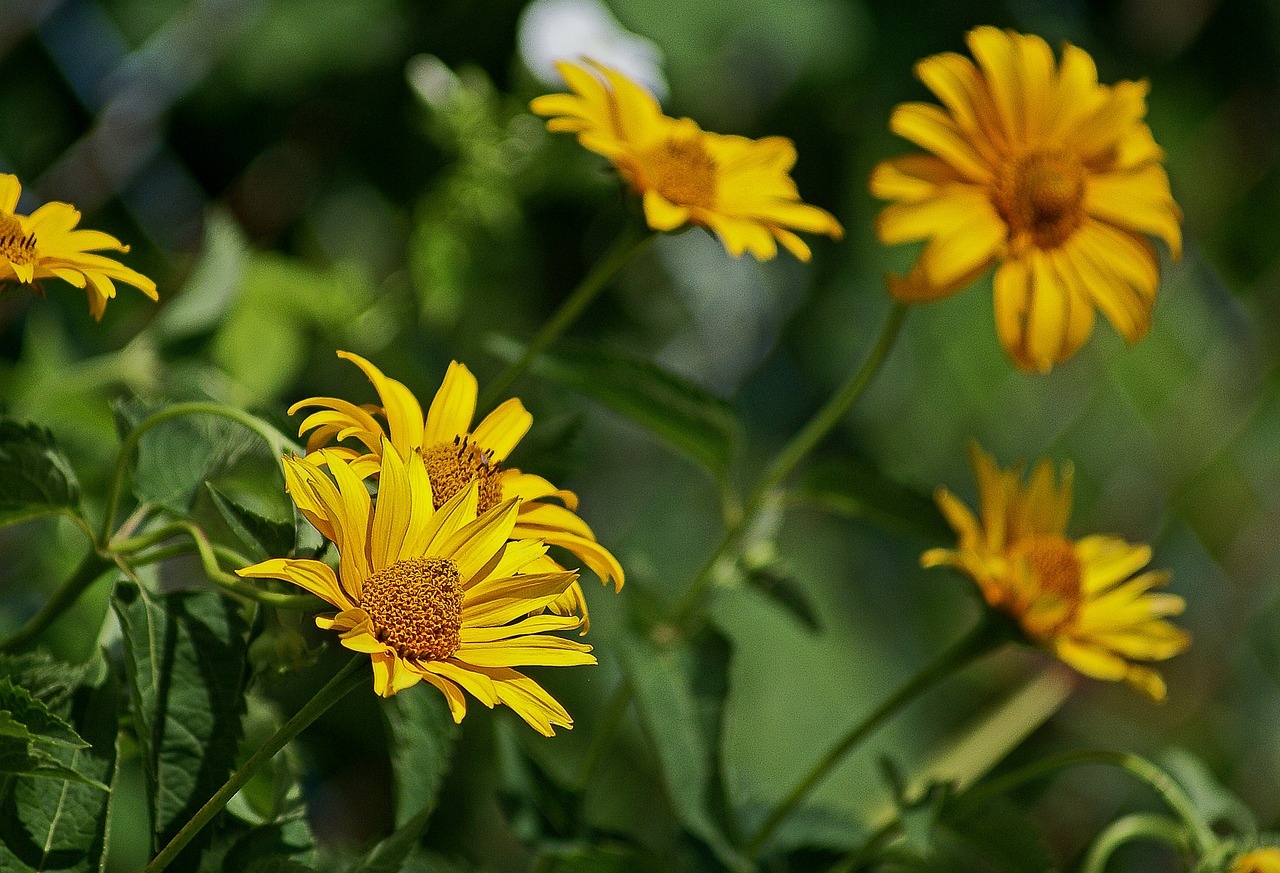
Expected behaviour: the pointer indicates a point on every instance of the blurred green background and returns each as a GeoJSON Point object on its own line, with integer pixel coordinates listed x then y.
{"type": "Point", "coordinates": [301, 176]}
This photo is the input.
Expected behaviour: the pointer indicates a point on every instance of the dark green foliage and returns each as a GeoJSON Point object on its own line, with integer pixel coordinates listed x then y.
{"type": "Point", "coordinates": [35, 476]}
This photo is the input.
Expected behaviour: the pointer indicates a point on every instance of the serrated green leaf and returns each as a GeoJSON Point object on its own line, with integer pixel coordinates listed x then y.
{"type": "Point", "coordinates": [265, 537]}
{"type": "Point", "coordinates": [185, 658]}
{"type": "Point", "coordinates": [421, 742]}
{"type": "Point", "coordinates": [666, 693]}
{"type": "Point", "coordinates": [854, 489]}
{"type": "Point", "coordinates": [47, 678]}
{"type": "Point", "coordinates": [35, 476]}
{"type": "Point", "coordinates": [50, 825]}
{"type": "Point", "coordinates": [693, 421]}
{"type": "Point", "coordinates": [33, 738]}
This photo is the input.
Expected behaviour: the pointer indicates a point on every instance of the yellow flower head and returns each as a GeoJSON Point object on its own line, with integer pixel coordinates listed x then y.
{"type": "Point", "coordinates": [45, 245]}
{"type": "Point", "coordinates": [1076, 598]}
{"type": "Point", "coordinates": [1266, 860]}
{"type": "Point", "coordinates": [739, 188]}
{"type": "Point", "coordinates": [1036, 167]}
{"type": "Point", "coordinates": [457, 455]}
{"type": "Point", "coordinates": [434, 594]}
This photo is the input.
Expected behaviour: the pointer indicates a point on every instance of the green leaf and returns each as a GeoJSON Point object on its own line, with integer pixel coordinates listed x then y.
{"type": "Point", "coordinates": [694, 422]}
{"type": "Point", "coordinates": [48, 824]}
{"type": "Point", "coordinates": [854, 489]}
{"type": "Point", "coordinates": [185, 659]}
{"type": "Point", "coordinates": [422, 738]}
{"type": "Point", "coordinates": [266, 537]}
{"type": "Point", "coordinates": [993, 836]}
{"type": "Point", "coordinates": [47, 678]}
{"type": "Point", "coordinates": [35, 476]}
{"type": "Point", "coordinates": [177, 456]}
{"type": "Point", "coordinates": [668, 685]}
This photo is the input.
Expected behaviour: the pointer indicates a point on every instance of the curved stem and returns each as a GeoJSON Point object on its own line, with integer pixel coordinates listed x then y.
{"type": "Point", "coordinates": [1170, 792]}
{"type": "Point", "coordinates": [93, 565]}
{"type": "Point", "coordinates": [988, 634]}
{"type": "Point", "coordinates": [1128, 829]}
{"type": "Point", "coordinates": [337, 688]}
{"type": "Point", "coordinates": [130, 445]}
{"type": "Point", "coordinates": [208, 553]}
{"type": "Point", "coordinates": [791, 455]}
{"type": "Point", "coordinates": [630, 244]}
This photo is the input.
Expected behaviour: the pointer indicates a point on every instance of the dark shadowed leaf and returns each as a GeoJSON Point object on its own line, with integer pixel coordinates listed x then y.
{"type": "Point", "coordinates": [35, 476]}
{"type": "Point", "coordinates": [854, 489]}
{"type": "Point", "coordinates": [185, 660]}
{"type": "Point", "coordinates": [693, 421]}
{"type": "Point", "coordinates": [265, 536]}
{"type": "Point", "coordinates": [679, 694]}
{"type": "Point", "coordinates": [421, 742]}
{"type": "Point", "coordinates": [48, 824]}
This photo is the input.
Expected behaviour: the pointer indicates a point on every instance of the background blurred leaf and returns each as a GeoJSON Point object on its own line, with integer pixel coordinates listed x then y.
{"type": "Point", "coordinates": [35, 477]}
{"type": "Point", "coordinates": [185, 659]}
{"type": "Point", "coordinates": [672, 688]}
{"type": "Point", "coordinates": [60, 825]}
{"type": "Point", "coordinates": [699, 425]}
{"type": "Point", "coordinates": [855, 489]}
{"type": "Point", "coordinates": [210, 290]}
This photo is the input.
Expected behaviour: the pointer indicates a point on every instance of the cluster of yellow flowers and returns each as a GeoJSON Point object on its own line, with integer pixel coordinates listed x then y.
{"type": "Point", "coordinates": [1033, 168]}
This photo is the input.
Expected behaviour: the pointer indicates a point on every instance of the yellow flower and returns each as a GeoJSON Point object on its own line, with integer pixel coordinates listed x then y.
{"type": "Point", "coordinates": [1266, 860]}
{"type": "Point", "coordinates": [1076, 598]}
{"type": "Point", "coordinates": [45, 244]}
{"type": "Point", "coordinates": [434, 594]}
{"type": "Point", "coordinates": [457, 455]}
{"type": "Point", "coordinates": [739, 188]}
{"type": "Point", "coordinates": [1036, 167]}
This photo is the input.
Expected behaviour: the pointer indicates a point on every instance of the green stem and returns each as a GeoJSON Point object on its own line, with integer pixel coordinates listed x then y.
{"type": "Point", "coordinates": [790, 457]}
{"type": "Point", "coordinates": [630, 244]}
{"type": "Point", "coordinates": [337, 688]}
{"type": "Point", "coordinates": [130, 445]}
{"type": "Point", "coordinates": [1128, 829]}
{"type": "Point", "coordinates": [869, 849]}
{"type": "Point", "coordinates": [1202, 836]}
{"type": "Point", "coordinates": [987, 635]}
{"type": "Point", "coordinates": [93, 565]}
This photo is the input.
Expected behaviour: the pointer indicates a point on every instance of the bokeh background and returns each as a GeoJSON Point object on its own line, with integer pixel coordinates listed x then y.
{"type": "Point", "coordinates": [302, 176]}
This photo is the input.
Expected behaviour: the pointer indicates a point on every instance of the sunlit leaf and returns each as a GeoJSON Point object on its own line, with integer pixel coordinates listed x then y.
{"type": "Point", "coordinates": [693, 421]}
{"type": "Point", "coordinates": [35, 476]}
{"type": "Point", "coordinates": [185, 659]}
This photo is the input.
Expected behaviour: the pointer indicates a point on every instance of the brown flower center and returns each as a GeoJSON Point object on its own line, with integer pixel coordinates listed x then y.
{"type": "Point", "coordinates": [683, 172]}
{"type": "Point", "coordinates": [416, 607]}
{"type": "Point", "coordinates": [1041, 195]}
{"type": "Point", "coordinates": [1054, 563]}
{"type": "Point", "coordinates": [453, 466]}
{"type": "Point", "coordinates": [15, 245]}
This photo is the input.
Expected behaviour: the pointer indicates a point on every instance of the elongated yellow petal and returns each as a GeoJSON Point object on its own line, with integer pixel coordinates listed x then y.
{"type": "Point", "coordinates": [453, 406]}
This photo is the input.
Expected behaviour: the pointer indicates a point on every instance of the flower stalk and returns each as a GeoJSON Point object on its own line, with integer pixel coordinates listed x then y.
{"type": "Point", "coordinates": [343, 683]}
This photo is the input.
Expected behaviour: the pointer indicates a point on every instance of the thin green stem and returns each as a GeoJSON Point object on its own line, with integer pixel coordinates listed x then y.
{"type": "Point", "coordinates": [869, 849]}
{"type": "Point", "coordinates": [93, 565]}
{"type": "Point", "coordinates": [209, 553]}
{"type": "Point", "coordinates": [1128, 829]}
{"type": "Point", "coordinates": [790, 457]}
{"type": "Point", "coordinates": [987, 635]}
{"type": "Point", "coordinates": [1202, 836]}
{"type": "Point", "coordinates": [346, 680]}
{"type": "Point", "coordinates": [130, 445]}
{"type": "Point", "coordinates": [627, 247]}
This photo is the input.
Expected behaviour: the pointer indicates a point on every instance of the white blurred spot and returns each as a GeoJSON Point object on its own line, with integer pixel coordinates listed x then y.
{"type": "Point", "coordinates": [556, 30]}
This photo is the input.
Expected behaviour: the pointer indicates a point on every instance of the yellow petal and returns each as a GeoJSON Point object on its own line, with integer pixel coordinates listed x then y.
{"type": "Point", "coordinates": [392, 512]}
{"type": "Point", "coordinates": [528, 700]}
{"type": "Point", "coordinates": [503, 429]}
{"type": "Point", "coordinates": [1138, 200]}
{"type": "Point", "coordinates": [10, 191]}
{"type": "Point", "coordinates": [311, 575]}
{"type": "Point", "coordinates": [497, 601]}
{"type": "Point", "coordinates": [453, 406]}
{"type": "Point", "coordinates": [536, 624]}
{"type": "Point", "coordinates": [933, 130]}
{"type": "Point", "coordinates": [478, 684]}
{"type": "Point", "coordinates": [404, 415]}
{"type": "Point", "coordinates": [541, 650]}
{"type": "Point", "coordinates": [391, 675]}
{"type": "Point", "coordinates": [663, 215]}
{"type": "Point", "coordinates": [477, 544]}
{"type": "Point", "coordinates": [911, 178]}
